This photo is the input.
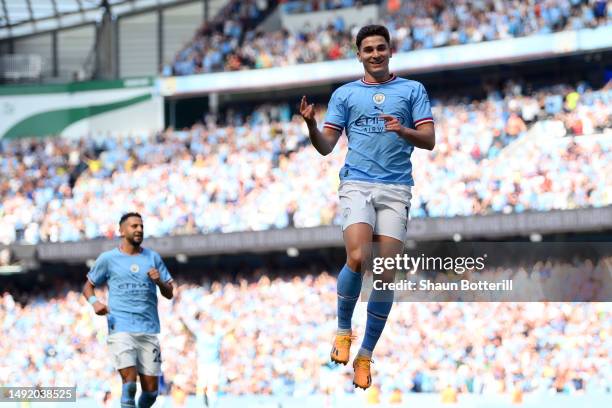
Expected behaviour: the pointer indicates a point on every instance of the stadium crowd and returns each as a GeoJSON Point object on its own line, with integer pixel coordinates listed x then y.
{"type": "Point", "coordinates": [232, 41]}
{"type": "Point", "coordinates": [260, 172]}
{"type": "Point", "coordinates": [309, 6]}
{"type": "Point", "coordinates": [270, 334]}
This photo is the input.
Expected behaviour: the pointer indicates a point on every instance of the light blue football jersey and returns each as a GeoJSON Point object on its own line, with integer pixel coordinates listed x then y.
{"type": "Point", "coordinates": [132, 295]}
{"type": "Point", "coordinates": [375, 155]}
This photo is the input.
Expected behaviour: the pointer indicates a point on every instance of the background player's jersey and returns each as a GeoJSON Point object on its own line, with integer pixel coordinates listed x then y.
{"type": "Point", "coordinates": [374, 154]}
{"type": "Point", "coordinates": [132, 294]}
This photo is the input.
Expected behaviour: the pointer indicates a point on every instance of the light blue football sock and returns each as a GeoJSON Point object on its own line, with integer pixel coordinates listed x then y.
{"type": "Point", "coordinates": [128, 393]}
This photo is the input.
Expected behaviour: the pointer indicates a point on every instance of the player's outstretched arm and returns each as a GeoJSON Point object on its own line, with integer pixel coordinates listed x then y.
{"type": "Point", "coordinates": [423, 137]}
{"type": "Point", "coordinates": [188, 327]}
{"type": "Point", "coordinates": [90, 294]}
{"type": "Point", "coordinates": [324, 141]}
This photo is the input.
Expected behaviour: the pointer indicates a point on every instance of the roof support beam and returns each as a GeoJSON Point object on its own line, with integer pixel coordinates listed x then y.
{"type": "Point", "coordinates": [55, 10]}
{"type": "Point", "coordinates": [6, 15]}
{"type": "Point", "coordinates": [29, 3]}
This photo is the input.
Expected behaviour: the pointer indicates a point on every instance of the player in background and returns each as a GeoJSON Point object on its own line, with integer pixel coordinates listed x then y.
{"type": "Point", "coordinates": [385, 117]}
{"type": "Point", "coordinates": [133, 274]}
{"type": "Point", "coordinates": [208, 341]}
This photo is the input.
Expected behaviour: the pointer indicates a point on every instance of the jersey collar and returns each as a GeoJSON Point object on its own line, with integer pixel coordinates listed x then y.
{"type": "Point", "coordinates": [393, 77]}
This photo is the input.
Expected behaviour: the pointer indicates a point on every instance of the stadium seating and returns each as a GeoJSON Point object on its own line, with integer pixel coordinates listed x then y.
{"type": "Point", "coordinates": [264, 174]}
{"type": "Point", "coordinates": [271, 336]}
{"type": "Point", "coordinates": [237, 44]}
{"type": "Point", "coordinates": [253, 316]}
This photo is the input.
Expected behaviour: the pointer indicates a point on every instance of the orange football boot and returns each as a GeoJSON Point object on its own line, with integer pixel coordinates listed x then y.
{"type": "Point", "coordinates": [342, 348]}
{"type": "Point", "coordinates": [363, 378]}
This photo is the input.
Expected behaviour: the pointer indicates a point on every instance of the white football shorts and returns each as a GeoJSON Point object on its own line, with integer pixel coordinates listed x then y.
{"type": "Point", "coordinates": [140, 350]}
{"type": "Point", "coordinates": [385, 207]}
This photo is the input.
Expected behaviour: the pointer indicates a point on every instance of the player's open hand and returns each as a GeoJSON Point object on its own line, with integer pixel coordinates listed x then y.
{"type": "Point", "coordinates": [307, 110]}
{"type": "Point", "coordinates": [154, 275]}
{"type": "Point", "coordinates": [392, 124]}
{"type": "Point", "coordinates": [100, 308]}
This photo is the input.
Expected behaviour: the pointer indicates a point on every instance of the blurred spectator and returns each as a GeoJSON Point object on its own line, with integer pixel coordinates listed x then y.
{"type": "Point", "coordinates": [233, 42]}
{"type": "Point", "coordinates": [5, 257]}
{"type": "Point", "coordinates": [257, 172]}
{"type": "Point", "coordinates": [309, 6]}
{"type": "Point", "coordinates": [272, 335]}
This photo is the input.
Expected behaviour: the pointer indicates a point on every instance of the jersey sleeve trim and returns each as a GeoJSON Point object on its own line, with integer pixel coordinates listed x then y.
{"type": "Point", "coordinates": [332, 126]}
{"type": "Point", "coordinates": [421, 121]}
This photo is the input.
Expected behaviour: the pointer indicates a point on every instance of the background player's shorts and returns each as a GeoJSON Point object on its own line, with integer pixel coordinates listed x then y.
{"type": "Point", "coordinates": [140, 350]}
{"type": "Point", "coordinates": [208, 377]}
{"type": "Point", "coordinates": [384, 206]}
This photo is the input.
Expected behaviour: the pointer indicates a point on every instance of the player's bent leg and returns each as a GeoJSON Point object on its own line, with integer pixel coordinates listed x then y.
{"type": "Point", "coordinates": [378, 311]}
{"type": "Point", "coordinates": [128, 389]}
{"type": "Point", "coordinates": [357, 237]}
{"type": "Point", "coordinates": [149, 368]}
{"type": "Point", "coordinates": [358, 221]}
{"type": "Point", "coordinates": [379, 307]}
{"type": "Point", "coordinates": [349, 285]}
{"type": "Point", "coordinates": [125, 358]}
{"type": "Point", "coordinates": [148, 396]}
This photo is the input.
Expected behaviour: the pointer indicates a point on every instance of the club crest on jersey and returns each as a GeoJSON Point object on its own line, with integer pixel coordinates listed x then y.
{"type": "Point", "coordinates": [346, 213]}
{"type": "Point", "coordinates": [134, 268]}
{"type": "Point", "coordinates": [378, 98]}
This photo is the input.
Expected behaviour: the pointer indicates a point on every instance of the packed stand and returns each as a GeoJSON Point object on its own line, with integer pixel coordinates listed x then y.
{"type": "Point", "coordinates": [422, 24]}
{"type": "Point", "coordinates": [310, 6]}
{"type": "Point", "coordinates": [467, 163]}
{"type": "Point", "coordinates": [272, 335]}
{"type": "Point", "coordinates": [257, 172]}
{"type": "Point", "coordinates": [217, 40]}
{"type": "Point", "coordinates": [426, 24]}
{"type": "Point", "coordinates": [35, 174]}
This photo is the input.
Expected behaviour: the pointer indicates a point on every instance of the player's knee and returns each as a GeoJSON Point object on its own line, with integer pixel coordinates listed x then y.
{"type": "Point", "coordinates": [128, 394]}
{"type": "Point", "coordinates": [147, 398]}
{"type": "Point", "coordinates": [355, 258]}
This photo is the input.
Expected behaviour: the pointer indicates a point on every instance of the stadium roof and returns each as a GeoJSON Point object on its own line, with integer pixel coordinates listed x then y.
{"type": "Point", "coordinates": [14, 12]}
{"type": "Point", "coordinates": [24, 17]}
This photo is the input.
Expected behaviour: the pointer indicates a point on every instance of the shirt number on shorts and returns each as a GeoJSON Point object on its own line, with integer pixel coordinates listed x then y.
{"type": "Point", "coordinates": [157, 354]}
